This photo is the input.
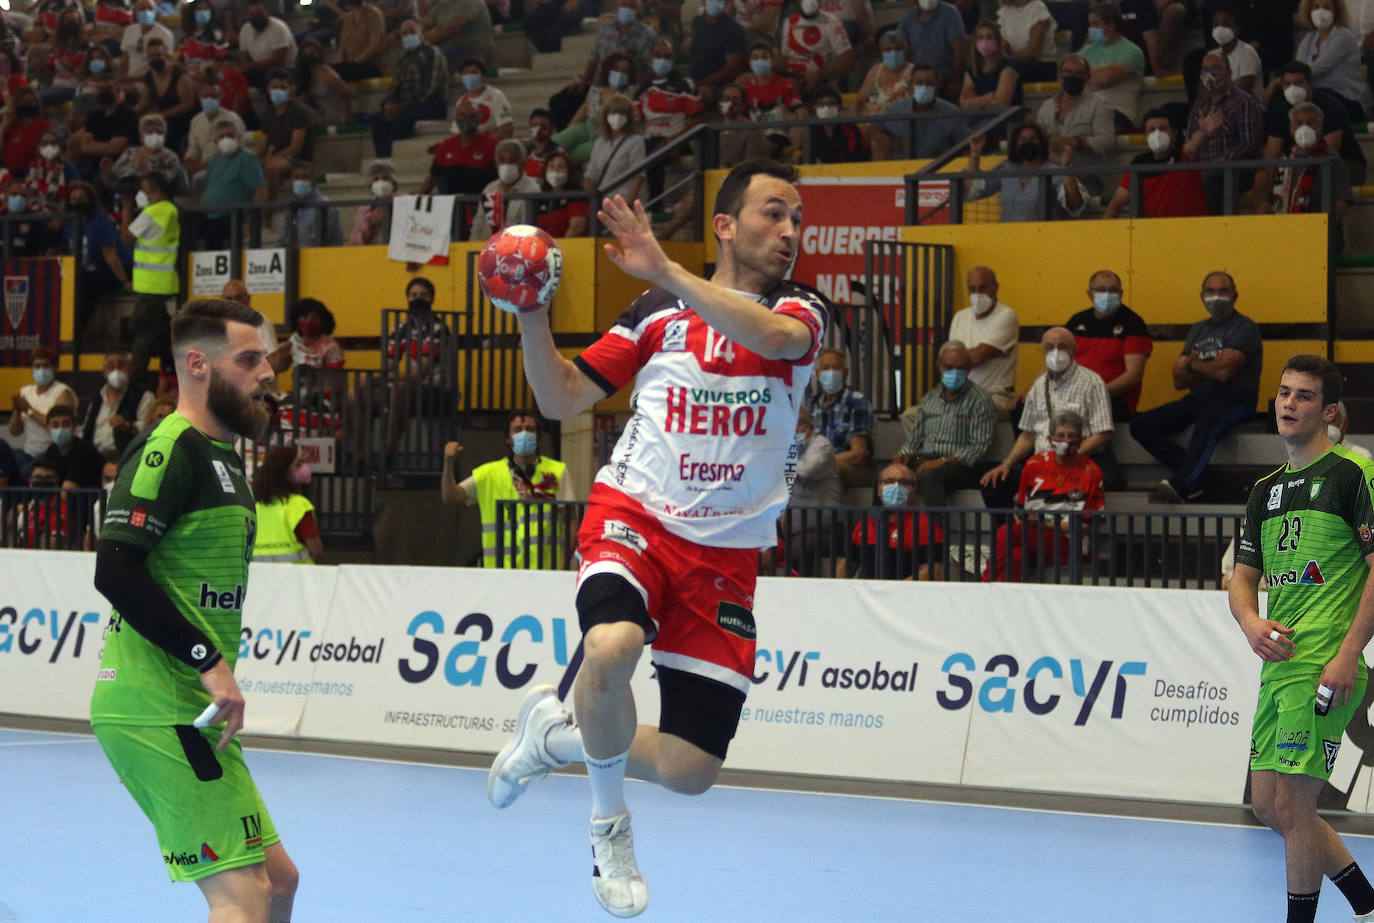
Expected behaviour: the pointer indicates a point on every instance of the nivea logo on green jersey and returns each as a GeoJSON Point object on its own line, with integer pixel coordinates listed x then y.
{"type": "Point", "coordinates": [210, 598]}
{"type": "Point", "coordinates": [1311, 576]}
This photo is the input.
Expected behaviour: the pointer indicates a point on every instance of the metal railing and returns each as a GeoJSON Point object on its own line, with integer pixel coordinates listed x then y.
{"type": "Point", "coordinates": [1104, 548]}
{"type": "Point", "coordinates": [50, 518]}
{"type": "Point", "coordinates": [894, 337]}
{"type": "Point", "coordinates": [423, 397]}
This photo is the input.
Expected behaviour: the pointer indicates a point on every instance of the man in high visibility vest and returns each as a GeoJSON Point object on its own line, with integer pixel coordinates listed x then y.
{"type": "Point", "coordinates": [524, 474]}
{"type": "Point", "coordinates": [156, 236]}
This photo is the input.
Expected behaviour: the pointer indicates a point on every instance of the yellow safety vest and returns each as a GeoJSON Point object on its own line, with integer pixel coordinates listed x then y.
{"type": "Point", "coordinates": [276, 539]}
{"type": "Point", "coordinates": [155, 261]}
{"type": "Point", "coordinates": [494, 482]}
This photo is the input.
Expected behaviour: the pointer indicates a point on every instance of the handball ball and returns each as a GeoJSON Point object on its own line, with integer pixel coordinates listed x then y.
{"type": "Point", "coordinates": [519, 268]}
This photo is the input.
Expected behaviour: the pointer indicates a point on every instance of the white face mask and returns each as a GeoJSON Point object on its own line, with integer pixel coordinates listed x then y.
{"type": "Point", "coordinates": [381, 188]}
{"type": "Point", "coordinates": [616, 120]}
{"type": "Point", "coordinates": [509, 173]}
{"type": "Point", "coordinates": [117, 380]}
{"type": "Point", "coordinates": [141, 199]}
{"type": "Point", "coordinates": [556, 178]}
{"type": "Point", "coordinates": [49, 151]}
{"type": "Point", "coordinates": [1295, 94]}
{"type": "Point", "coordinates": [1333, 432]}
{"type": "Point", "coordinates": [1057, 360]}
{"type": "Point", "coordinates": [1323, 19]}
{"type": "Point", "coordinates": [1223, 35]}
{"type": "Point", "coordinates": [827, 112]}
{"type": "Point", "coordinates": [927, 5]}
{"type": "Point", "coordinates": [153, 141]}
{"type": "Point", "coordinates": [810, 8]}
{"type": "Point", "coordinates": [1305, 136]}
{"type": "Point", "coordinates": [227, 146]}
{"type": "Point", "coordinates": [1159, 141]}
{"type": "Point", "coordinates": [980, 302]}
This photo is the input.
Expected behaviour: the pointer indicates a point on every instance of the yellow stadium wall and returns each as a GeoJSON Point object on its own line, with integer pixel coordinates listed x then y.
{"type": "Point", "coordinates": [11, 379]}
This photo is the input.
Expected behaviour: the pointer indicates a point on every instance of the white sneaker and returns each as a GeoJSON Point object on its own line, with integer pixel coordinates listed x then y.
{"type": "Point", "coordinates": [615, 876]}
{"type": "Point", "coordinates": [1365, 916]}
{"type": "Point", "coordinates": [526, 758]}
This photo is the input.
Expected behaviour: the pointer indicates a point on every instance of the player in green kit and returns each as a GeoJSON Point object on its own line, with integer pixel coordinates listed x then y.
{"type": "Point", "coordinates": [1309, 528]}
{"type": "Point", "coordinates": [173, 560]}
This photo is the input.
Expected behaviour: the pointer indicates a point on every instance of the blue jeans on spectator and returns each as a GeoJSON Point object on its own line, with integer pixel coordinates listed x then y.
{"type": "Point", "coordinates": [403, 125]}
{"type": "Point", "coordinates": [1210, 419]}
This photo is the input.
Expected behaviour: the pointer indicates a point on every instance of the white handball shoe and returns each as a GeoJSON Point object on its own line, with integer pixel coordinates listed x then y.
{"type": "Point", "coordinates": [615, 876]}
{"type": "Point", "coordinates": [526, 758]}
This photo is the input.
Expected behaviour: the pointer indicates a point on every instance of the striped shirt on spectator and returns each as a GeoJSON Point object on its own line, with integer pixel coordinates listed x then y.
{"type": "Point", "coordinates": [961, 427]}
{"type": "Point", "coordinates": [849, 415]}
{"type": "Point", "coordinates": [1079, 389]}
{"type": "Point", "coordinates": [1242, 126]}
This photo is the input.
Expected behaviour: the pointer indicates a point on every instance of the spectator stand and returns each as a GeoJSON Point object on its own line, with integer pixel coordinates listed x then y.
{"type": "Point", "coordinates": [50, 518]}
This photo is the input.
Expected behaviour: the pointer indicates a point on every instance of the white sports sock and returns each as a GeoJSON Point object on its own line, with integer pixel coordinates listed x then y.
{"type": "Point", "coordinates": [564, 744]}
{"type": "Point", "coordinates": [608, 785]}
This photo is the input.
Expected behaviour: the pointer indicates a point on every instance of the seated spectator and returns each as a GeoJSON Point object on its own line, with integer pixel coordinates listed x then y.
{"type": "Point", "coordinates": [932, 136]}
{"type": "Point", "coordinates": [759, 18]}
{"type": "Point", "coordinates": [498, 209]}
{"type": "Point", "coordinates": [286, 132]}
{"type": "Point", "coordinates": [1294, 86]}
{"type": "Point", "coordinates": [915, 546]}
{"type": "Point", "coordinates": [716, 51]}
{"type": "Point", "coordinates": [887, 81]}
{"type": "Point", "coordinates": [372, 223]}
{"type": "Point", "coordinates": [1064, 385]}
{"type": "Point", "coordinates": [49, 173]}
{"type": "Point", "coordinates": [418, 90]}
{"type": "Point", "coordinates": [112, 418]}
{"type": "Point", "coordinates": [857, 17]}
{"type": "Point", "coordinates": [316, 357]}
{"type": "Point", "coordinates": [817, 482]}
{"type": "Point", "coordinates": [744, 143]}
{"type": "Point", "coordinates": [233, 176]}
{"type": "Point", "coordinates": [836, 141]}
{"type": "Point", "coordinates": [104, 260]}
{"type": "Point", "coordinates": [668, 103]}
{"type": "Point", "coordinates": [563, 217]}
{"type": "Point", "coordinates": [815, 47]}
{"type": "Point", "coordinates": [150, 156]}
{"type": "Point", "coordinates": [1219, 370]}
{"type": "Point", "coordinates": [133, 44]}
{"type": "Point", "coordinates": [950, 430]}
{"type": "Point", "coordinates": [362, 31]}
{"type": "Point", "coordinates": [1225, 123]}
{"type": "Point", "coordinates": [22, 123]}
{"type": "Point", "coordinates": [625, 33]}
{"type": "Point", "coordinates": [66, 58]}
{"type": "Point", "coordinates": [266, 46]}
{"type": "Point", "coordinates": [420, 363]}
{"type": "Point", "coordinates": [43, 521]}
{"type": "Point", "coordinates": [1228, 34]}
{"type": "Point", "coordinates": [614, 79]}
{"type": "Point", "coordinates": [541, 145]}
{"type": "Point", "coordinates": [990, 330]}
{"type": "Point", "coordinates": [1166, 195]}
{"type": "Point", "coordinates": [1298, 189]}
{"type": "Point", "coordinates": [770, 96]}
{"type": "Point", "coordinates": [170, 92]}
{"type": "Point", "coordinates": [493, 109]}
{"type": "Point", "coordinates": [202, 33]}
{"type": "Point", "coordinates": [1113, 341]}
{"type": "Point", "coordinates": [811, 542]}
{"type": "Point", "coordinates": [29, 408]}
{"type": "Point", "coordinates": [1028, 38]}
{"type": "Point", "coordinates": [1076, 119]}
{"type": "Point", "coordinates": [287, 532]}
{"type": "Point", "coordinates": [843, 416]}
{"type": "Point", "coordinates": [201, 135]}
{"type": "Point", "coordinates": [990, 82]}
{"type": "Point", "coordinates": [1333, 53]}
{"type": "Point", "coordinates": [320, 88]}
{"type": "Point", "coordinates": [465, 161]}
{"type": "Point", "coordinates": [618, 149]}
{"type": "Point", "coordinates": [460, 29]}
{"type": "Point", "coordinates": [1118, 65]}
{"type": "Point", "coordinates": [313, 223]}
{"type": "Point", "coordinates": [1054, 484]}
{"type": "Point", "coordinates": [1022, 196]}
{"type": "Point", "coordinates": [234, 87]}
{"type": "Point", "coordinates": [312, 344]}
{"type": "Point", "coordinates": [934, 33]}
{"type": "Point", "coordinates": [96, 65]}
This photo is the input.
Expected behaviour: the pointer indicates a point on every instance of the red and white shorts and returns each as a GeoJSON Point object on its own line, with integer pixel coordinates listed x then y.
{"type": "Point", "coordinates": [700, 598]}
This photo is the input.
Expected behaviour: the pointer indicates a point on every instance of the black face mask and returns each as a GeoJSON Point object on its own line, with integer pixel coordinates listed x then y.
{"type": "Point", "coordinates": [158, 65]}
{"type": "Point", "coordinates": [1074, 85]}
{"type": "Point", "coordinates": [259, 22]}
{"type": "Point", "coordinates": [28, 110]}
{"type": "Point", "coordinates": [419, 305]}
{"type": "Point", "coordinates": [106, 97]}
{"type": "Point", "coordinates": [1028, 151]}
{"type": "Point", "coordinates": [82, 206]}
{"type": "Point", "coordinates": [310, 60]}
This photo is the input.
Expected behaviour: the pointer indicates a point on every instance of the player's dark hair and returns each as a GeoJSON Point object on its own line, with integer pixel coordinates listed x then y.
{"type": "Point", "coordinates": [1324, 370]}
{"type": "Point", "coordinates": [272, 479]}
{"type": "Point", "coordinates": [303, 308]}
{"type": "Point", "coordinates": [62, 410]}
{"type": "Point", "coordinates": [207, 320]}
{"type": "Point", "coordinates": [730, 198]}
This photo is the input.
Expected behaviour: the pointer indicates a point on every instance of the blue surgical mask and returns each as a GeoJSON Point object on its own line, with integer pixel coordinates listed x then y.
{"type": "Point", "coordinates": [61, 436]}
{"type": "Point", "coordinates": [761, 67]}
{"type": "Point", "coordinates": [97, 65]}
{"type": "Point", "coordinates": [42, 376]}
{"type": "Point", "coordinates": [625, 16]}
{"type": "Point", "coordinates": [894, 58]}
{"type": "Point", "coordinates": [662, 66]}
{"type": "Point", "coordinates": [410, 41]}
{"type": "Point", "coordinates": [524, 443]}
{"type": "Point", "coordinates": [894, 495]}
{"type": "Point", "coordinates": [1106, 302]}
{"type": "Point", "coordinates": [209, 105]}
{"type": "Point", "coordinates": [17, 204]}
{"type": "Point", "coordinates": [954, 379]}
{"type": "Point", "coordinates": [923, 95]}
{"type": "Point", "coordinates": [1097, 36]}
{"type": "Point", "coordinates": [831, 380]}
{"type": "Point", "coordinates": [146, 17]}
{"type": "Point", "coordinates": [301, 187]}
{"type": "Point", "coordinates": [617, 79]}
{"type": "Point", "coordinates": [715, 7]}
{"type": "Point", "coordinates": [203, 16]}
{"type": "Point", "coordinates": [278, 96]}
{"type": "Point", "coordinates": [472, 82]}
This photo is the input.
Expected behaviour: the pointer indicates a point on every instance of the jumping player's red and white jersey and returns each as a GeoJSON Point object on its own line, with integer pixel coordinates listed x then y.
{"type": "Point", "coordinates": [710, 447]}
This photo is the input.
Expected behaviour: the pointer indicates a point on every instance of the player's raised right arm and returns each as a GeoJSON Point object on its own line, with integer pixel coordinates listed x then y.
{"type": "Point", "coordinates": [559, 386]}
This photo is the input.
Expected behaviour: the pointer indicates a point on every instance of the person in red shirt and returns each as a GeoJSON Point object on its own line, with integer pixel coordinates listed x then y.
{"type": "Point", "coordinates": [563, 217]}
{"type": "Point", "coordinates": [1167, 195]}
{"type": "Point", "coordinates": [1060, 481]}
{"type": "Point", "coordinates": [915, 546]}
{"type": "Point", "coordinates": [771, 96]}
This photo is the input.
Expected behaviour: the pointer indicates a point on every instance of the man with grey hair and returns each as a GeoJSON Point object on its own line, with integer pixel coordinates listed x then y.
{"type": "Point", "coordinates": [202, 137]}
{"type": "Point", "coordinates": [951, 430]}
{"type": "Point", "coordinates": [499, 210]}
{"type": "Point", "coordinates": [152, 155]}
{"type": "Point", "coordinates": [233, 176]}
{"type": "Point", "coordinates": [1299, 189]}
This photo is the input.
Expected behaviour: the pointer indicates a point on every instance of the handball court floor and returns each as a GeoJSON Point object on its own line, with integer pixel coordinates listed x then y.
{"type": "Point", "coordinates": [383, 840]}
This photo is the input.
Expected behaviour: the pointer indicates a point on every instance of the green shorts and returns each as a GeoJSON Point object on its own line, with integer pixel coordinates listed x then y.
{"type": "Point", "coordinates": [1288, 736]}
{"type": "Point", "coordinates": [204, 806]}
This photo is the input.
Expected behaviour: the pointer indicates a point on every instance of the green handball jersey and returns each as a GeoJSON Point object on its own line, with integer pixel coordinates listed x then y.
{"type": "Point", "coordinates": [183, 497]}
{"type": "Point", "coordinates": [1308, 531]}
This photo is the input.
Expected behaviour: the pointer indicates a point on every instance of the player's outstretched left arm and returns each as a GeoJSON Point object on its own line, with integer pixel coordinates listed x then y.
{"type": "Point", "coordinates": [1340, 672]}
{"type": "Point", "coordinates": [739, 319]}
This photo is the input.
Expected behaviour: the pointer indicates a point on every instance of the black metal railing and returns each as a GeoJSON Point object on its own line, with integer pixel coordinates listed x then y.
{"type": "Point", "coordinates": [423, 396]}
{"type": "Point", "coordinates": [893, 339]}
{"type": "Point", "coordinates": [50, 518]}
{"type": "Point", "coordinates": [537, 534]}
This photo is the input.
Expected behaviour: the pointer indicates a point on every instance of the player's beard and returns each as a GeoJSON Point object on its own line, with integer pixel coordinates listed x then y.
{"type": "Point", "coordinates": [242, 414]}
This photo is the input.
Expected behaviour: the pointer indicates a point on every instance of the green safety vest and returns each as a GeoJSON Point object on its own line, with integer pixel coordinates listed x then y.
{"type": "Point", "coordinates": [155, 261]}
{"type": "Point", "coordinates": [276, 538]}
{"type": "Point", "coordinates": [494, 482]}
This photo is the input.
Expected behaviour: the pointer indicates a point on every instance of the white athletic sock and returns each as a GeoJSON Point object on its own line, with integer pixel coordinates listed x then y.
{"type": "Point", "coordinates": [564, 744]}
{"type": "Point", "coordinates": [608, 785]}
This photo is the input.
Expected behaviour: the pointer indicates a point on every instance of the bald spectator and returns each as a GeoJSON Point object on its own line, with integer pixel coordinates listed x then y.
{"type": "Point", "coordinates": [990, 330]}
{"type": "Point", "coordinates": [235, 290]}
{"type": "Point", "coordinates": [1225, 123]}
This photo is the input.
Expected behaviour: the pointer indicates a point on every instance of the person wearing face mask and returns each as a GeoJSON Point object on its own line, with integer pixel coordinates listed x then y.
{"type": "Point", "coordinates": [420, 366]}
{"type": "Point", "coordinates": [372, 223]}
{"type": "Point", "coordinates": [888, 79]}
{"type": "Point", "coordinates": [625, 32]}
{"type": "Point", "coordinates": [1219, 373]}
{"type": "Point", "coordinates": [501, 204]}
{"type": "Point", "coordinates": [1292, 86]}
{"type": "Point", "coordinates": [287, 530]}
{"type": "Point", "coordinates": [169, 91]}
{"type": "Point", "coordinates": [201, 135]}
{"type": "Point", "coordinates": [492, 107]}
{"type": "Point", "coordinates": [769, 95]}
{"type": "Point", "coordinates": [815, 46]}
{"type": "Point", "coordinates": [934, 33]}
{"type": "Point", "coordinates": [1333, 53]}
{"type": "Point", "coordinates": [540, 146]}
{"type": "Point", "coordinates": [265, 45]}
{"type": "Point", "coordinates": [1166, 195]}
{"type": "Point", "coordinates": [133, 44]}
{"type": "Point", "coordinates": [835, 141]}
{"type": "Point", "coordinates": [111, 419]}
{"type": "Point", "coordinates": [918, 138]}
{"type": "Point", "coordinates": [1114, 342]}
{"type": "Point", "coordinates": [563, 217]}
{"type": "Point", "coordinates": [287, 131]}
{"type": "Point", "coordinates": [615, 78]}
{"type": "Point", "coordinates": [668, 103]}
{"type": "Point", "coordinates": [991, 330]}
{"type": "Point", "coordinates": [75, 461]}
{"type": "Point", "coordinates": [313, 222]}
{"type": "Point", "coordinates": [104, 260]}
{"type": "Point", "coordinates": [31, 406]}
{"type": "Point", "coordinates": [903, 544]}
{"type": "Point", "coordinates": [1246, 67]}
{"type": "Point", "coordinates": [1064, 385]}
{"type": "Point", "coordinates": [949, 430]}
{"type": "Point", "coordinates": [41, 521]}
{"type": "Point", "coordinates": [737, 146]}
{"type": "Point", "coordinates": [990, 82]}
{"type": "Point", "coordinates": [1077, 119]}
{"type": "Point", "coordinates": [524, 474]}
{"type": "Point", "coordinates": [233, 176]}
{"type": "Point", "coordinates": [1022, 196]}
{"type": "Point", "coordinates": [717, 50]}
{"type": "Point", "coordinates": [22, 123]}
{"type": "Point", "coordinates": [1299, 189]}
{"type": "Point", "coordinates": [465, 161]}
{"type": "Point", "coordinates": [1225, 123]}
{"type": "Point", "coordinates": [460, 29]}
{"type": "Point", "coordinates": [1117, 63]}
{"type": "Point", "coordinates": [156, 236]}
{"type": "Point", "coordinates": [311, 346]}
{"type": "Point", "coordinates": [418, 91]}
{"type": "Point", "coordinates": [50, 174]}
{"type": "Point", "coordinates": [1028, 29]}
{"type": "Point", "coordinates": [619, 147]}
{"type": "Point", "coordinates": [1054, 484]}
{"type": "Point", "coordinates": [151, 156]}
{"type": "Point", "coordinates": [844, 416]}
{"type": "Point", "coordinates": [108, 132]}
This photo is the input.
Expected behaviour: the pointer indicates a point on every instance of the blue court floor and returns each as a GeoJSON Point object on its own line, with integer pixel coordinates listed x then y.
{"type": "Point", "coordinates": [393, 841]}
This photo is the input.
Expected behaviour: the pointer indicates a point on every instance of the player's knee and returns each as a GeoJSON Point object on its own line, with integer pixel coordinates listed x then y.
{"type": "Point", "coordinates": [1264, 812]}
{"type": "Point", "coordinates": [614, 620]}
{"type": "Point", "coordinates": [1288, 810]}
{"type": "Point", "coordinates": [686, 779]}
{"type": "Point", "coordinates": [608, 645]}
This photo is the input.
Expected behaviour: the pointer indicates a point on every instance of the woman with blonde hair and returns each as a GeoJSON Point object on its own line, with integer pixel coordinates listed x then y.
{"type": "Point", "coordinates": [617, 149]}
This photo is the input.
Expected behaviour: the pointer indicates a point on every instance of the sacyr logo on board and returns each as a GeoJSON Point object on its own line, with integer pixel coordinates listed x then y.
{"type": "Point", "coordinates": [998, 692]}
{"type": "Point", "coordinates": [794, 668]}
{"type": "Point", "coordinates": [464, 661]}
